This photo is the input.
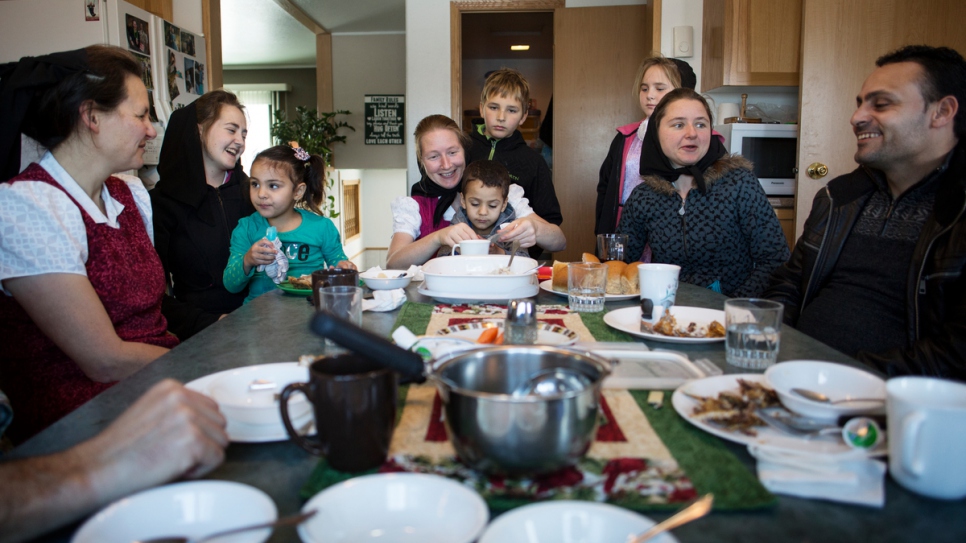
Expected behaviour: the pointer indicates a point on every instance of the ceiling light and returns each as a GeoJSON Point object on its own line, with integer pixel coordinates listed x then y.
{"type": "Point", "coordinates": [519, 47]}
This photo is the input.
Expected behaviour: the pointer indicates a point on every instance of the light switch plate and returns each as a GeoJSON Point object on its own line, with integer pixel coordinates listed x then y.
{"type": "Point", "coordinates": [683, 41]}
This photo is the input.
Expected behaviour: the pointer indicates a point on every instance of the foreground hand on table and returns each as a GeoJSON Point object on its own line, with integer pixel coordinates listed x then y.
{"type": "Point", "coordinates": [170, 432]}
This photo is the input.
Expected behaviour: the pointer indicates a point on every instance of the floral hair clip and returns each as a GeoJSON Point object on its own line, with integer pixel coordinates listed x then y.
{"type": "Point", "coordinates": [300, 153]}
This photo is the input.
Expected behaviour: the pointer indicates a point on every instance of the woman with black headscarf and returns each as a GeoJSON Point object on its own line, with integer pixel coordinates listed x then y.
{"type": "Point", "coordinates": [201, 195]}
{"type": "Point", "coordinates": [699, 207]}
{"type": "Point", "coordinates": [81, 284]}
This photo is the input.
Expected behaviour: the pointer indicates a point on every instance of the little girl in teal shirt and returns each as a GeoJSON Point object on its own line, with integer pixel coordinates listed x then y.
{"type": "Point", "coordinates": [282, 178]}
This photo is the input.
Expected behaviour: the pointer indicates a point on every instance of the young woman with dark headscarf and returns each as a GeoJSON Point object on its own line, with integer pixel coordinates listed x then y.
{"type": "Point", "coordinates": [201, 195]}
{"type": "Point", "coordinates": [699, 207]}
{"type": "Point", "coordinates": [80, 306]}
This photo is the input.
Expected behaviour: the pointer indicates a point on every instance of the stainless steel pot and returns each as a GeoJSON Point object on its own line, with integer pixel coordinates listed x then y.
{"type": "Point", "coordinates": [491, 429]}
{"type": "Point", "coordinates": [496, 432]}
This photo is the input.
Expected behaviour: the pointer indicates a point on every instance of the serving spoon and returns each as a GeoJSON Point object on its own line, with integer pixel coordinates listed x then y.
{"type": "Point", "coordinates": [694, 511]}
{"type": "Point", "coordinates": [284, 521]}
{"type": "Point", "coordinates": [822, 398]}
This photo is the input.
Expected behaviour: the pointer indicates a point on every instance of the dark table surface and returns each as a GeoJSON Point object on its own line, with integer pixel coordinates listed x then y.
{"type": "Point", "coordinates": [274, 328]}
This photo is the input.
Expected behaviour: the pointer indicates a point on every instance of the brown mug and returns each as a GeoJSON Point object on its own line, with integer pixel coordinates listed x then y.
{"type": "Point", "coordinates": [332, 277]}
{"type": "Point", "coordinates": [354, 401]}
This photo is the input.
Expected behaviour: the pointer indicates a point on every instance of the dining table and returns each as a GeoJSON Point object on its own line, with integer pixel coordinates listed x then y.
{"type": "Point", "coordinates": [275, 328]}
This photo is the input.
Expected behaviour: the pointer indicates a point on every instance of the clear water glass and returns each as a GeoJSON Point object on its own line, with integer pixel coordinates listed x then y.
{"type": "Point", "coordinates": [586, 286]}
{"type": "Point", "coordinates": [753, 332]}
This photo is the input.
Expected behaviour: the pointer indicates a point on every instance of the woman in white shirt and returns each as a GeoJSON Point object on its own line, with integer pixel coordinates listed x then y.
{"type": "Point", "coordinates": [81, 282]}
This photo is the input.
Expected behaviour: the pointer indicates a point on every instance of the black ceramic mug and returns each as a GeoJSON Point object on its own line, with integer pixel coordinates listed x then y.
{"type": "Point", "coordinates": [354, 401]}
{"type": "Point", "coordinates": [332, 277]}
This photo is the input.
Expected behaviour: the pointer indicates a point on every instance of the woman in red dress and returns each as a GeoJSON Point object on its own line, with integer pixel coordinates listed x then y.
{"type": "Point", "coordinates": [81, 282]}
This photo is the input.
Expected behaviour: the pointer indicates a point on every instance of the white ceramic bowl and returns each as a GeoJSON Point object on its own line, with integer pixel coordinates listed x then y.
{"type": "Point", "coordinates": [191, 509]}
{"type": "Point", "coordinates": [569, 522]}
{"type": "Point", "coordinates": [239, 403]}
{"type": "Point", "coordinates": [837, 381]}
{"type": "Point", "coordinates": [395, 508]}
{"type": "Point", "coordinates": [390, 279]}
{"type": "Point", "coordinates": [473, 275]}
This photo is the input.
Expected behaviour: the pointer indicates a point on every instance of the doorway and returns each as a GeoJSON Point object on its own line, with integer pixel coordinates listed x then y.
{"type": "Point", "coordinates": [521, 40]}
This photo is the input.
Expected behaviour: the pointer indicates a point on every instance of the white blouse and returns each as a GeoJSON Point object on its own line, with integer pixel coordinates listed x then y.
{"type": "Point", "coordinates": [406, 219]}
{"type": "Point", "coordinates": [42, 231]}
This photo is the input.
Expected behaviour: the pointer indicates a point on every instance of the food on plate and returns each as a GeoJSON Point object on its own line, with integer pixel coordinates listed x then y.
{"type": "Point", "coordinates": [615, 270]}
{"type": "Point", "coordinates": [734, 411]}
{"type": "Point", "coordinates": [630, 280]}
{"type": "Point", "coordinates": [559, 279]}
{"type": "Point", "coordinates": [492, 336]}
{"type": "Point", "coordinates": [667, 325]}
{"type": "Point", "coordinates": [302, 282]}
{"type": "Point", "coordinates": [621, 277]}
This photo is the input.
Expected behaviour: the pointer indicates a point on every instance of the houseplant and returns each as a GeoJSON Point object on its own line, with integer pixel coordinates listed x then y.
{"type": "Point", "coordinates": [315, 132]}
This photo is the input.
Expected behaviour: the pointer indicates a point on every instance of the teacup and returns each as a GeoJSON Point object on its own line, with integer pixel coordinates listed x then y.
{"type": "Point", "coordinates": [332, 277]}
{"type": "Point", "coordinates": [354, 401]}
{"type": "Point", "coordinates": [927, 435]}
{"type": "Point", "coordinates": [473, 247]}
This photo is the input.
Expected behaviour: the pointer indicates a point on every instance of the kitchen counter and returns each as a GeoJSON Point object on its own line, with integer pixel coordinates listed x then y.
{"type": "Point", "coordinates": [274, 328]}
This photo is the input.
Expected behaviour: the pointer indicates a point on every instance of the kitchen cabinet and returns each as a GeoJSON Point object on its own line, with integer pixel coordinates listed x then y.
{"type": "Point", "coordinates": [751, 42]}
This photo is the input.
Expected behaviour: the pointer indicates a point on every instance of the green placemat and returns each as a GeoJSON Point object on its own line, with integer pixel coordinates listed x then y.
{"type": "Point", "coordinates": [705, 460]}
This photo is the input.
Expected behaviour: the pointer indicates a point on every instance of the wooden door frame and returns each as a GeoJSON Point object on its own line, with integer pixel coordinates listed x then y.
{"type": "Point", "coordinates": [457, 9]}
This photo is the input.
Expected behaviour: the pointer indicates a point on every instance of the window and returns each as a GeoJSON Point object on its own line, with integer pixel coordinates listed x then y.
{"type": "Point", "coordinates": [260, 101]}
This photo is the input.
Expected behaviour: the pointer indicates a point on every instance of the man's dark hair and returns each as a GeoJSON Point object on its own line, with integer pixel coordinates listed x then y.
{"type": "Point", "coordinates": [945, 72]}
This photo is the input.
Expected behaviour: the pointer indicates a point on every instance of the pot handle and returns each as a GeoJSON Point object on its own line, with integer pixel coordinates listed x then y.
{"type": "Point", "coordinates": [376, 348]}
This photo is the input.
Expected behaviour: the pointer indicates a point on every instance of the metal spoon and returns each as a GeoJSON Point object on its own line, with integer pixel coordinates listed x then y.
{"type": "Point", "coordinates": [284, 521]}
{"type": "Point", "coordinates": [822, 398]}
{"type": "Point", "coordinates": [694, 511]}
{"type": "Point", "coordinates": [514, 247]}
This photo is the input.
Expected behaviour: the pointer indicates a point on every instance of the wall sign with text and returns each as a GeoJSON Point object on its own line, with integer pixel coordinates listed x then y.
{"type": "Point", "coordinates": [384, 119]}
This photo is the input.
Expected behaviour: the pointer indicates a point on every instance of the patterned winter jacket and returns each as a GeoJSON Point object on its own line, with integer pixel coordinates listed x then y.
{"type": "Point", "coordinates": [728, 239]}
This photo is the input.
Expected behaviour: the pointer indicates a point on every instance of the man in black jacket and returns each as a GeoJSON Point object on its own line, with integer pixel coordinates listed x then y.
{"type": "Point", "coordinates": [878, 271]}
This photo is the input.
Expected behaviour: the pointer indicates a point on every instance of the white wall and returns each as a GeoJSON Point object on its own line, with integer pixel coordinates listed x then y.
{"type": "Point", "coordinates": [691, 13]}
{"type": "Point", "coordinates": [367, 64]}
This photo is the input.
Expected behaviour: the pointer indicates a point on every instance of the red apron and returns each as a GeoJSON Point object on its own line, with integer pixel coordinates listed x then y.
{"type": "Point", "coordinates": [43, 384]}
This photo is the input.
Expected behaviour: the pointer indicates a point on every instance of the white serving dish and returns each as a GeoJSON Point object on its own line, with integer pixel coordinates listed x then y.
{"type": "Point", "coordinates": [569, 521]}
{"type": "Point", "coordinates": [192, 509]}
{"type": "Point", "coordinates": [395, 508]}
{"type": "Point", "coordinates": [231, 389]}
{"type": "Point", "coordinates": [389, 282]}
{"type": "Point", "coordinates": [837, 381]}
{"type": "Point", "coordinates": [472, 275]}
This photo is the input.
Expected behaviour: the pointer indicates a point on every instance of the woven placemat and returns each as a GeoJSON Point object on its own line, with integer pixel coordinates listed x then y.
{"type": "Point", "coordinates": [709, 465]}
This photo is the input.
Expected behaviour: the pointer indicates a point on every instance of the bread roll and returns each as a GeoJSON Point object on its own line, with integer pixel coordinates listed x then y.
{"type": "Point", "coordinates": [587, 257]}
{"type": "Point", "coordinates": [630, 279]}
{"type": "Point", "coordinates": [614, 270]}
{"type": "Point", "coordinates": [559, 281]}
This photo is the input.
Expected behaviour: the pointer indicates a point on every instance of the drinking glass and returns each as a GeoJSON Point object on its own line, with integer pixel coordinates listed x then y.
{"type": "Point", "coordinates": [586, 286]}
{"type": "Point", "coordinates": [753, 327]}
{"type": "Point", "coordinates": [343, 302]}
{"type": "Point", "coordinates": [611, 246]}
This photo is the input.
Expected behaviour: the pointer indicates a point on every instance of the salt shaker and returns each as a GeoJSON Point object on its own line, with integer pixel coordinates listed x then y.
{"type": "Point", "coordinates": [520, 327]}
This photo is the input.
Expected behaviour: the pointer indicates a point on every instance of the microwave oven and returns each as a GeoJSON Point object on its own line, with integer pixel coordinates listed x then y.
{"type": "Point", "coordinates": [772, 148]}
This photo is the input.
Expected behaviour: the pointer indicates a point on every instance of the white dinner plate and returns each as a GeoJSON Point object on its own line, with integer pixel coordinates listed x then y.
{"type": "Point", "coordinates": [547, 285]}
{"type": "Point", "coordinates": [629, 320]}
{"type": "Point", "coordinates": [193, 509]}
{"type": "Point", "coordinates": [240, 432]}
{"type": "Point", "coordinates": [527, 291]}
{"type": "Point", "coordinates": [767, 437]}
{"type": "Point", "coordinates": [547, 334]}
{"type": "Point", "coordinates": [568, 521]}
{"type": "Point", "coordinates": [395, 508]}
